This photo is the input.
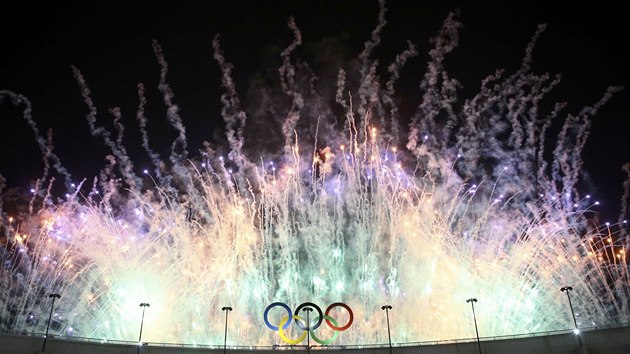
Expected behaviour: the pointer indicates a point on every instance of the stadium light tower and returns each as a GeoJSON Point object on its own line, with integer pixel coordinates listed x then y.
{"type": "Point", "coordinates": [472, 301]}
{"type": "Point", "coordinates": [389, 336]}
{"type": "Point", "coordinates": [308, 325]}
{"type": "Point", "coordinates": [226, 309]}
{"type": "Point", "coordinates": [53, 296]}
{"type": "Point", "coordinates": [144, 306]}
{"type": "Point", "coordinates": [576, 330]}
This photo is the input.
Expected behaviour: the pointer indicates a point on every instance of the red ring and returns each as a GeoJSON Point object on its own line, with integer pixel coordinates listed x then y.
{"type": "Point", "coordinates": [347, 325]}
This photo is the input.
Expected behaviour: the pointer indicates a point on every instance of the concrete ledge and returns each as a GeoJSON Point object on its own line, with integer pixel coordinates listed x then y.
{"type": "Point", "coordinates": [603, 341]}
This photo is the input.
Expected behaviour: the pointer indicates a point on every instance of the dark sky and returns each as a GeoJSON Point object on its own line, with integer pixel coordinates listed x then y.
{"type": "Point", "coordinates": [111, 44]}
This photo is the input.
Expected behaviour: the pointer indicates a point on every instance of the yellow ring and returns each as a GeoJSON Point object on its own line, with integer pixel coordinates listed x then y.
{"type": "Point", "coordinates": [285, 338]}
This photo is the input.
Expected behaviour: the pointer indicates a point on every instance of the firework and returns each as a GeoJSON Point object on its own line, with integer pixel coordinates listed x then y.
{"type": "Point", "coordinates": [354, 208]}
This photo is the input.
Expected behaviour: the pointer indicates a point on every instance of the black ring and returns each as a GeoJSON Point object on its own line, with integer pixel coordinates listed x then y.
{"type": "Point", "coordinates": [319, 313]}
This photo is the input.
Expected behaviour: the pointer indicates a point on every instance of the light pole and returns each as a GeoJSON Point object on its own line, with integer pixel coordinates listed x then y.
{"type": "Point", "coordinates": [567, 289]}
{"type": "Point", "coordinates": [472, 301]}
{"type": "Point", "coordinates": [389, 336]}
{"type": "Point", "coordinates": [308, 326]}
{"type": "Point", "coordinates": [144, 306]}
{"type": "Point", "coordinates": [226, 309]}
{"type": "Point", "coordinates": [53, 296]}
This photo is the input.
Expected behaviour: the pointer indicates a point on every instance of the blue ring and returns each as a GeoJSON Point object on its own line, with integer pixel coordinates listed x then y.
{"type": "Point", "coordinates": [283, 305]}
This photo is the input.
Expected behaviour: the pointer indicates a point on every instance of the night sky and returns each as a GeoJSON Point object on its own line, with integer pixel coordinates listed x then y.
{"type": "Point", "coordinates": [111, 44]}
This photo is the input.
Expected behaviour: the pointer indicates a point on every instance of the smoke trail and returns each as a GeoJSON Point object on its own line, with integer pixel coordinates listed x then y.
{"type": "Point", "coordinates": [172, 111]}
{"type": "Point", "coordinates": [422, 126]}
{"type": "Point", "coordinates": [349, 125]}
{"type": "Point", "coordinates": [231, 112]}
{"type": "Point", "coordinates": [18, 99]}
{"type": "Point", "coordinates": [123, 161]}
{"type": "Point", "coordinates": [584, 132]}
{"type": "Point", "coordinates": [115, 111]}
{"type": "Point", "coordinates": [287, 81]}
{"type": "Point", "coordinates": [142, 123]}
{"type": "Point", "coordinates": [542, 176]}
{"type": "Point", "coordinates": [368, 88]}
{"type": "Point", "coordinates": [341, 83]}
{"type": "Point", "coordinates": [388, 94]}
{"type": "Point", "coordinates": [45, 157]}
{"type": "Point", "coordinates": [571, 141]}
{"type": "Point", "coordinates": [519, 100]}
{"type": "Point", "coordinates": [46, 200]}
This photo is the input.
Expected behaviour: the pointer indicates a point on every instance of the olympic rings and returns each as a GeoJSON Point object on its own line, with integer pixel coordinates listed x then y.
{"type": "Point", "coordinates": [334, 325]}
{"type": "Point", "coordinates": [284, 337]}
{"type": "Point", "coordinates": [320, 316]}
{"type": "Point", "coordinates": [272, 305]}
{"type": "Point", "coordinates": [308, 326]}
{"type": "Point", "coordinates": [330, 340]}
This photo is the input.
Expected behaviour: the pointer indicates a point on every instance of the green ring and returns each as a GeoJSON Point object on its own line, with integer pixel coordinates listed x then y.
{"type": "Point", "coordinates": [328, 341]}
